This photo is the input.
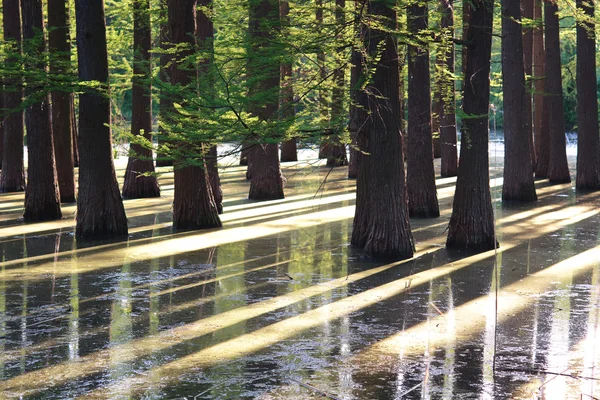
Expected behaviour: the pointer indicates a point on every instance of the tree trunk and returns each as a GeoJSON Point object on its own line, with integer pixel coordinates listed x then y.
{"type": "Point", "coordinates": [166, 101]}
{"type": "Point", "coordinates": [518, 171]}
{"type": "Point", "coordinates": [357, 114]}
{"type": "Point", "coordinates": [2, 116]}
{"type": "Point", "coordinates": [527, 9]}
{"type": "Point", "coordinates": [381, 223]}
{"type": "Point", "coordinates": [558, 168]}
{"type": "Point", "coordinates": [263, 68]}
{"type": "Point", "coordinates": [447, 109]}
{"type": "Point", "coordinates": [42, 198]}
{"type": "Point", "coordinates": [289, 150]}
{"type": "Point", "coordinates": [194, 205]}
{"type": "Point", "coordinates": [136, 185]}
{"type": "Point", "coordinates": [75, 134]}
{"type": "Point", "coordinates": [59, 44]}
{"type": "Point", "coordinates": [472, 221]}
{"type": "Point", "coordinates": [12, 176]}
{"type": "Point", "coordinates": [213, 175]}
{"type": "Point", "coordinates": [540, 118]}
{"type": "Point", "coordinates": [587, 104]}
{"type": "Point", "coordinates": [323, 104]}
{"type": "Point", "coordinates": [100, 212]}
{"type": "Point", "coordinates": [336, 156]}
{"type": "Point", "coordinates": [422, 196]}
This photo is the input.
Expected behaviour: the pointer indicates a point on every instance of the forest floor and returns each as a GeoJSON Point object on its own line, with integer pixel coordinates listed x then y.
{"type": "Point", "coordinates": [277, 304]}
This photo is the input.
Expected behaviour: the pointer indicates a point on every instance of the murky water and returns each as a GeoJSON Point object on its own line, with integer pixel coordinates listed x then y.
{"type": "Point", "coordinates": [278, 305]}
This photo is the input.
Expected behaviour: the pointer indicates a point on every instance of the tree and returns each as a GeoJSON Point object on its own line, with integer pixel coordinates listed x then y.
{"type": "Point", "coordinates": [527, 14]}
{"type": "Point", "coordinates": [139, 180]}
{"type": "Point", "coordinates": [472, 222]}
{"type": "Point", "coordinates": [63, 109]}
{"type": "Point", "coordinates": [289, 151]}
{"type": "Point", "coordinates": [166, 103]}
{"type": "Point", "coordinates": [422, 196]}
{"type": "Point", "coordinates": [194, 205]}
{"type": "Point", "coordinates": [518, 172]}
{"type": "Point", "coordinates": [381, 224]}
{"type": "Point", "coordinates": [263, 81]}
{"type": "Point", "coordinates": [42, 198]}
{"type": "Point", "coordinates": [12, 176]}
{"type": "Point", "coordinates": [587, 104]}
{"type": "Point", "coordinates": [558, 168]}
{"type": "Point", "coordinates": [540, 117]}
{"type": "Point", "coordinates": [100, 212]}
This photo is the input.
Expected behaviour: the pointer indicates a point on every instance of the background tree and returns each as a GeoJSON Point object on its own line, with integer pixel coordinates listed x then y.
{"type": "Point", "coordinates": [558, 168]}
{"type": "Point", "coordinates": [289, 151]}
{"type": "Point", "coordinates": [63, 109]}
{"type": "Point", "coordinates": [42, 198]}
{"type": "Point", "coordinates": [166, 68]}
{"type": "Point", "coordinates": [100, 212]}
{"type": "Point", "coordinates": [422, 196]}
{"type": "Point", "coordinates": [518, 172]}
{"type": "Point", "coordinates": [12, 176]}
{"type": "Point", "coordinates": [140, 180]}
{"type": "Point", "coordinates": [472, 222]}
{"type": "Point", "coordinates": [587, 101]}
{"type": "Point", "coordinates": [540, 117]}
{"type": "Point", "coordinates": [527, 16]}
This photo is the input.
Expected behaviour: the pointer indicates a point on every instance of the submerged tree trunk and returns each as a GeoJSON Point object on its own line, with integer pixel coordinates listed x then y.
{"type": "Point", "coordinates": [518, 182]}
{"type": "Point", "coordinates": [381, 223]}
{"type": "Point", "coordinates": [558, 168]}
{"type": "Point", "coordinates": [263, 67]}
{"type": "Point", "coordinates": [540, 118]}
{"type": "Point", "coordinates": [472, 221]}
{"type": "Point", "coordinates": [100, 212]}
{"type": "Point", "coordinates": [587, 104]}
{"type": "Point", "coordinates": [194, 204]}
{"type": "Point", "coordinates": [136, 184]}
{"type": "Point", "coordinates": [289, 150]}
{"type": "Point", "coordinates": [527, 13]}
{"type": "Point", "coordinates": [12, 176]}
{"type": "Point", "coordinates": [422, 196]}
{"type": "Point", "coordinates": [42, 198]}
{"type": "Point", "coordinates": [63, 129]}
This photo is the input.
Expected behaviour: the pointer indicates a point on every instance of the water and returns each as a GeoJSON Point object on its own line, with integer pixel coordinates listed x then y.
{"type": "Point", "coordinates": [278, 305]}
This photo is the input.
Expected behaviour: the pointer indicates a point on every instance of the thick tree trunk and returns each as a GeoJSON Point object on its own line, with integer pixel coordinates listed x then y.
{"type": "Point", "coordinates": [213, 175]}
{"type": "Point", "coordinates": [587, 104]}
{"type": "Point", "coordinates": [527, 13]}
{"type": "Point", "coordinates": [100, 212]}
{"type": "Point", "coordinates": [357, 114]}
{"type": "Point", "coordinates": [263, 68]}
{"type": "Point", "coordinates": [540, 118]}
{"type": "Point", "coordinates": [62, 100]}
{"type": "Point", "coordinates": [558, 168]}
{"type": "Point", "coordinates": [42, 198]}
{"type": "Point", "coordinates": [136, 185]}
{"type": "Point", "coordinates": [381, 223]}
{"type": "Point", "coordinates": [472, 221]}
{"type": "Point", "coordinates": [194, 205]}
{"type": "Point", "coordinates": [12, 176]}
{"type": "Point", "coordinates": [422, 196]}
{"type": "Point", "coordinates": [322, 101]}
{"type": "Point", "coordinates": [166, 101]}
{"type": "Point", "coordinates": [518, 171]}
{"type": "Point", "coordinates": [447, 101]}
{"type": "Point", "coordinates": [289, 148]}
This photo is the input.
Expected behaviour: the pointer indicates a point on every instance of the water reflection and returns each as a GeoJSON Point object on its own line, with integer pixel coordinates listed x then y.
{"type": "Point", "coordinates": [277, 305]}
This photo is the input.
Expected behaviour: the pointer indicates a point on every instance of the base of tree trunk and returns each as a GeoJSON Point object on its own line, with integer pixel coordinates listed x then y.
{"type": "Point", "coordinates": [137, 186]}
{"type": "Point", "coordinates": [267, 181]}
{"type": "Point", "coordinates": [37, 210]}
{"type": "Point", "coordinates": [289, 151]}
{"type": "Point", "coordinates": [194, 205]}
{"type": "Point", "coordinates": [110, 226]}
{"type": "Point", "coordinates": [12, 186]}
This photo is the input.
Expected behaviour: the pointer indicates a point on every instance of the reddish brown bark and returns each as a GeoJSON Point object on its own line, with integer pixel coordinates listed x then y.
{"type": "Point", "coordinates": [289, 150]}
{"type": "Point", "coordinates": [540, 117]}
{"type": "Point", "coordinates": [100, 212]}
{"type": "Point", "coordinates": [136, 184]}
{"type": "Point", "coordinates": [527, 12]}
{"type": "Point", "coordinates": [213, 176]}
{"type": "Point", "coordinates": [420, 180]}
{"type": "Point", "coordinates": [472, 221]}
{"type": "Point", "coordinates": [62, 100]}
{"type": "Point", "coordinates": [166, 102]}
{"type": "Point", "coordinates": [12, 176]}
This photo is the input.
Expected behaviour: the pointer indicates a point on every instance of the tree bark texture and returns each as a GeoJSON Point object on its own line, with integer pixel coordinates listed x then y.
{"type": "Point", "coordinates": [100, 212]}
{"type": "Point", "coordinates": [518, 182]}
{"type": "Point", "coordinates": [213, 175]}
{"type": "Point", "coordinates": [289, 148]}
{"type": "Point", "coordinates": [422, 196]}
{"type": "Point", "coordinates": [166, 101]}
{"type": "Point", "coordinates": [381, 223]}
{"type": "Point", "coordinates": [2, 116]}
{"type": "Point", "coordinates": [357, 114]}
{"type": "Point", "coordinates": [447, 100]}
{"type": "Point", "coordinates": [12, 176]}
{"type": "Point", "coordinates": [263, 69]}
{"type": "Point", "coordinates": [63, 107]}
{"type": "Point", "coordinates": [527, 13]}
{"type": "Point", "coordinates": [194, 204]}
{"type": "Point", "coordinates": [558, 168]}
{"type": "Point", "coordinates": [322, 100]}
{"type": "Point", "coordinates": [472, 221]}
{"type": "Point", "coordinates": [540, 118]}
{"type": "Point", "coordinates": [136, 185]}
{"type": "Point", "coordinates": [587, 104]}
{"type": "Point", "coordinates": [42, 198]}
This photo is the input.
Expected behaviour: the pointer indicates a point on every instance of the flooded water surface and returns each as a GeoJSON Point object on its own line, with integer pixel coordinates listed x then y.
{"type": "Point", "coordinates": [277, 304]}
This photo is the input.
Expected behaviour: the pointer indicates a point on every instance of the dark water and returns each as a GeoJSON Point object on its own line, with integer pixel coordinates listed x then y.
{"type": "Point", "coordinates": [278, 305]}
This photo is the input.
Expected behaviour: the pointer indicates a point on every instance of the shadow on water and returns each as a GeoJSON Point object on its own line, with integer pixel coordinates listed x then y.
{"type": "Point", "coordinates": [278, 305]}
